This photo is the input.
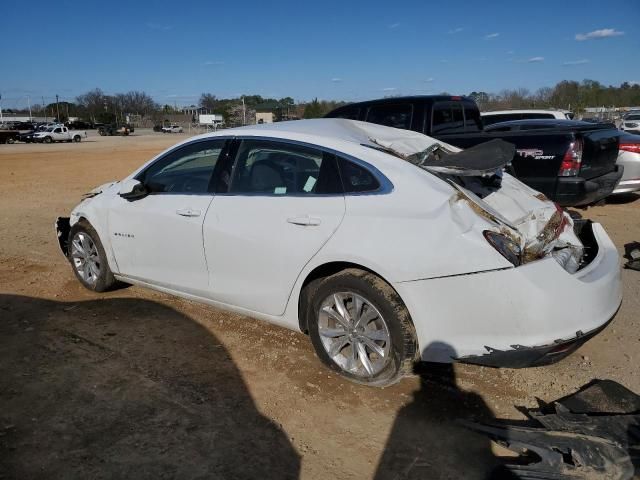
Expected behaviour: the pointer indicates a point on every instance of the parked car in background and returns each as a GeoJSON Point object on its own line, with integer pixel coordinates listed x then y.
{"type": "Point", "coordinates": [495, 116]}
{"type": "Point", "coordinates": [382, 244]}
{"type": "Point", "coordinates": [572, 165]}
{"type": "Point", "coordinates": [9, 136]}
{"type": "Point", "coordinates": [115, 129]}
{"type": "Point", "coordinates": [629, 159]}
{"type": "Point", "coordinates": [78, 125]}
{"type": "Point", "coordinates": [631, 123]}
{"type": "Point", "coordinates": [58, 134]}
{"type": "Point", "coordinates": [172, 129]}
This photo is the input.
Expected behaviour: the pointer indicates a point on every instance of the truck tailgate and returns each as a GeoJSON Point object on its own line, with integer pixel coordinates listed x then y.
{"type": "Point", "coordinates": [600, 152]}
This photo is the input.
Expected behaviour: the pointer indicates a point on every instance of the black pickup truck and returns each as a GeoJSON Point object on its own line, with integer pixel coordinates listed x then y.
{"type": "Point", "coordinates": [571, 164]}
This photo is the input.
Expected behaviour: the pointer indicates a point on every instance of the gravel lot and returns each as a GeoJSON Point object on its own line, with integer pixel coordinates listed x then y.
{"type": "Point", "coordinates": [137, 384]}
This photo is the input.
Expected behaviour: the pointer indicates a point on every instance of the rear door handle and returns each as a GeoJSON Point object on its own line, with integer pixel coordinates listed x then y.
{"type": "Point", "coordinates": [187, 212]}
{"type": "Point", "coordinates": [305, 221]}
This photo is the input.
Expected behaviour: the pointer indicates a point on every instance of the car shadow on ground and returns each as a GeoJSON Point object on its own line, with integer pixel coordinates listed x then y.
{"type": "Point", "coordinates": [622, 198]}
{"type": "Point", "coordinates": [126, 388]}
{"type": "Point", "coordinates": [428, 442]}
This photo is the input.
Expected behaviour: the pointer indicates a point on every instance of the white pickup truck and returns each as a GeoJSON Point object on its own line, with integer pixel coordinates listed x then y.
{"type": "Point", "coordinates": [59, 133]}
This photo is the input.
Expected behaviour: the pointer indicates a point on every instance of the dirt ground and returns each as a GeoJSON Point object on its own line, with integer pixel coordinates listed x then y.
{"type": "Point", "coordinates": [137, 384]}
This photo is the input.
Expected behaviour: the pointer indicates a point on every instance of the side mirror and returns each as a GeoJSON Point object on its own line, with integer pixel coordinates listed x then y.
{"type": "Point", "coordinates": [132, 189]}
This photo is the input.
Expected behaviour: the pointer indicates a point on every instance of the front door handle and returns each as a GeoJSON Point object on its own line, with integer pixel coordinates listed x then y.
{"type": "Point", "coordinates": [305, 221]}
{"type": "Point", "coordinates": [187, 212]}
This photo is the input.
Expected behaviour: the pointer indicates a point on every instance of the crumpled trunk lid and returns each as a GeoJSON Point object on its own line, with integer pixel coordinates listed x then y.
{"type": "Point", "coordinates": [527, 217]}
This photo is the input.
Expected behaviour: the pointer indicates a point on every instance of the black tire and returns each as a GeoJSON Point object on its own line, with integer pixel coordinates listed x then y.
{"type": "Point", "coordinates": [105, 279]}
{"type": "Point", "coordinates": [403, 349]}
{"type": "Point", "coordinates": [11, 140]}
{"type": "Point", "coordinates": [48, 140]}
{"type": "Point", "coordinates": [77, 138]}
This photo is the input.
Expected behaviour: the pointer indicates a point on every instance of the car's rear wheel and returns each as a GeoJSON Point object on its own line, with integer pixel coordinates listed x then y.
{"type": "Point", "coordinates": [88, 259]}
{"type": "Point", "coordinates": [77, 139]}
{"type": "Point", "coordinates": [47, 140]}
{"type": "Point", "coordinates": [360, 328]}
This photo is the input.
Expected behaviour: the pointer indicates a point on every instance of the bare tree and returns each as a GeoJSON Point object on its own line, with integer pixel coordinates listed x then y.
{"type": "Point", "coordinates": [208, 101]}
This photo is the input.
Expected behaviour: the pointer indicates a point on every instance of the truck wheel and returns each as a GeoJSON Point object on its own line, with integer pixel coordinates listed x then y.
{"type": "Point", "coordinates": [10, 140]}
{"type": "Point", "coordinates": [48, 139]}
{"type": "Point", "coordinates": [77, 138]}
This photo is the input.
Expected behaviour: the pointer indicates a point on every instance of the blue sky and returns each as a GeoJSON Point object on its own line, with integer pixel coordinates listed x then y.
{"type": "Point", "coordinates": [348, 50]}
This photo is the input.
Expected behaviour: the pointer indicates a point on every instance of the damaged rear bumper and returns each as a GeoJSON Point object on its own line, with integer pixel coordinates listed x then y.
{"type": "Point", "coordinates": [520, 356]}
{"type": "Point", "coordinates": [516, 317]}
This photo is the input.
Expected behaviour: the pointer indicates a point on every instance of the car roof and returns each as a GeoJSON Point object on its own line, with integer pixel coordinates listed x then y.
{"type": "Point", "coordinates": [353, 131]}
{"type": "Point", "coordinates": [527, 110]}
{"type": "Point", "coordinates": [408, 98]}
{"type": "Point", "coordinates": [551, 122]}
{"type": "Point", "coordinates": [348, 136]}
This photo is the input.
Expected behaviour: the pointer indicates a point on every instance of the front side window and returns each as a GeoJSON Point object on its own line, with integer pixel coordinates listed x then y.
{"type": "Point", "coordinates": [397, 116]}
{"type": "Point", "coordinates": [187, 170]}
{"type": "Point", "coordinates": [276, 168]}
{"type": "Point", "coordinates": [447, 118]}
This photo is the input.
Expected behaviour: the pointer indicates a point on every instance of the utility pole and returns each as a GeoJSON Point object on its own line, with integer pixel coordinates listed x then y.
{"type": "Point", "coordinates": [58, 109]}
{"type": "Point", "coordinates": [46, 118]}
{"type": "Point", "coordinates": [29, 103]}
{"type": "Point", "coordinates": [1, 118]}
{"type": "Point", "coordinates": [244, 112]}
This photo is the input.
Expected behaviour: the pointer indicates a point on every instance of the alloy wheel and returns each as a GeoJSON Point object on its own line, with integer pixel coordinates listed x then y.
{"type": "Point", "coordinates": [354, 334]}
{"type": "Point", "coordinates": [84, 255]}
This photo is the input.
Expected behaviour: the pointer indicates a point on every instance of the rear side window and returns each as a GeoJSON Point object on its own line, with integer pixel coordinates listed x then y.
{"type": "Point", "coordinates": [472, 122]}
{"type": "Point", "coordinates": [447, 118]}
{"type": "Point", "coordinates": [505, 117]}
{"type": "Point", "coordinates": [350, 113]}
{"type": "Point", "coordinates": [534, 116]}
{"type": "Point", "coordinates": [355, 178]}
{"type": "Point", "coordinates": [276, 168]}
{"type": "Point", "coordinates": [397, 116]}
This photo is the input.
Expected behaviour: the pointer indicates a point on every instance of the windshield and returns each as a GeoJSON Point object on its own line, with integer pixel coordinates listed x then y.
{"type": "Point", "coordinates": [633, 117]}
{"type": "Point", "coordinates": [50, 129]}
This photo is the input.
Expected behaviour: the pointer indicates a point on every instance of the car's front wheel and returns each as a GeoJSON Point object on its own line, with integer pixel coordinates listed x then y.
{"type": "Point", "coordinates": [88, 259]}
{"type": "Point", "coordinates": [360, 328]}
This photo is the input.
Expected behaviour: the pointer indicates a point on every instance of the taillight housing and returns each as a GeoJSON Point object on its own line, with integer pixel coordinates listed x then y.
{"type": "Point", "coordinates": [630, 147]}
{"type": "Point", "coordinates": [572, 159]}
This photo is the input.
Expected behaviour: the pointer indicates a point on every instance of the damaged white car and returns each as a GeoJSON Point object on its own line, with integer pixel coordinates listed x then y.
{"type": "Point", "coordinates": [384, 245]}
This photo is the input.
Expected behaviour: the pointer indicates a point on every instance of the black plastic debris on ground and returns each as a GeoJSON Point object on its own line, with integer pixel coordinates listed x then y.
{"type": "Point", "coordinates": [593, 434]}
{"type": "Point", "coordinates": [632, 254]}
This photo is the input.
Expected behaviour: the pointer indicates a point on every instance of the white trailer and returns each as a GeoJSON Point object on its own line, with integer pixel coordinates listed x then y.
{"type": "Point", "coordinates": [212, 120]}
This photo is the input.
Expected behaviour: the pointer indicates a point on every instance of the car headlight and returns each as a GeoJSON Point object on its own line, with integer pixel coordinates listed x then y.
{"type": "Point", "coordinates": [505, 246]}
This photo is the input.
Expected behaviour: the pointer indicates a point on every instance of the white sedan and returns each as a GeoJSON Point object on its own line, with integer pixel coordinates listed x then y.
{"type": "Point", "coordinates": [384, 245]}
{"type": "Point", "coordinates": [172, 129]}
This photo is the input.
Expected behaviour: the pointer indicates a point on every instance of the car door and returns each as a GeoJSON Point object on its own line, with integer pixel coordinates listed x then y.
{"type": "Point", "coordinates": [283, 204]}
{"type": "Point", "coordinates": [57, 134]}
{"type": "Point", "coordinates": [158, 238]}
